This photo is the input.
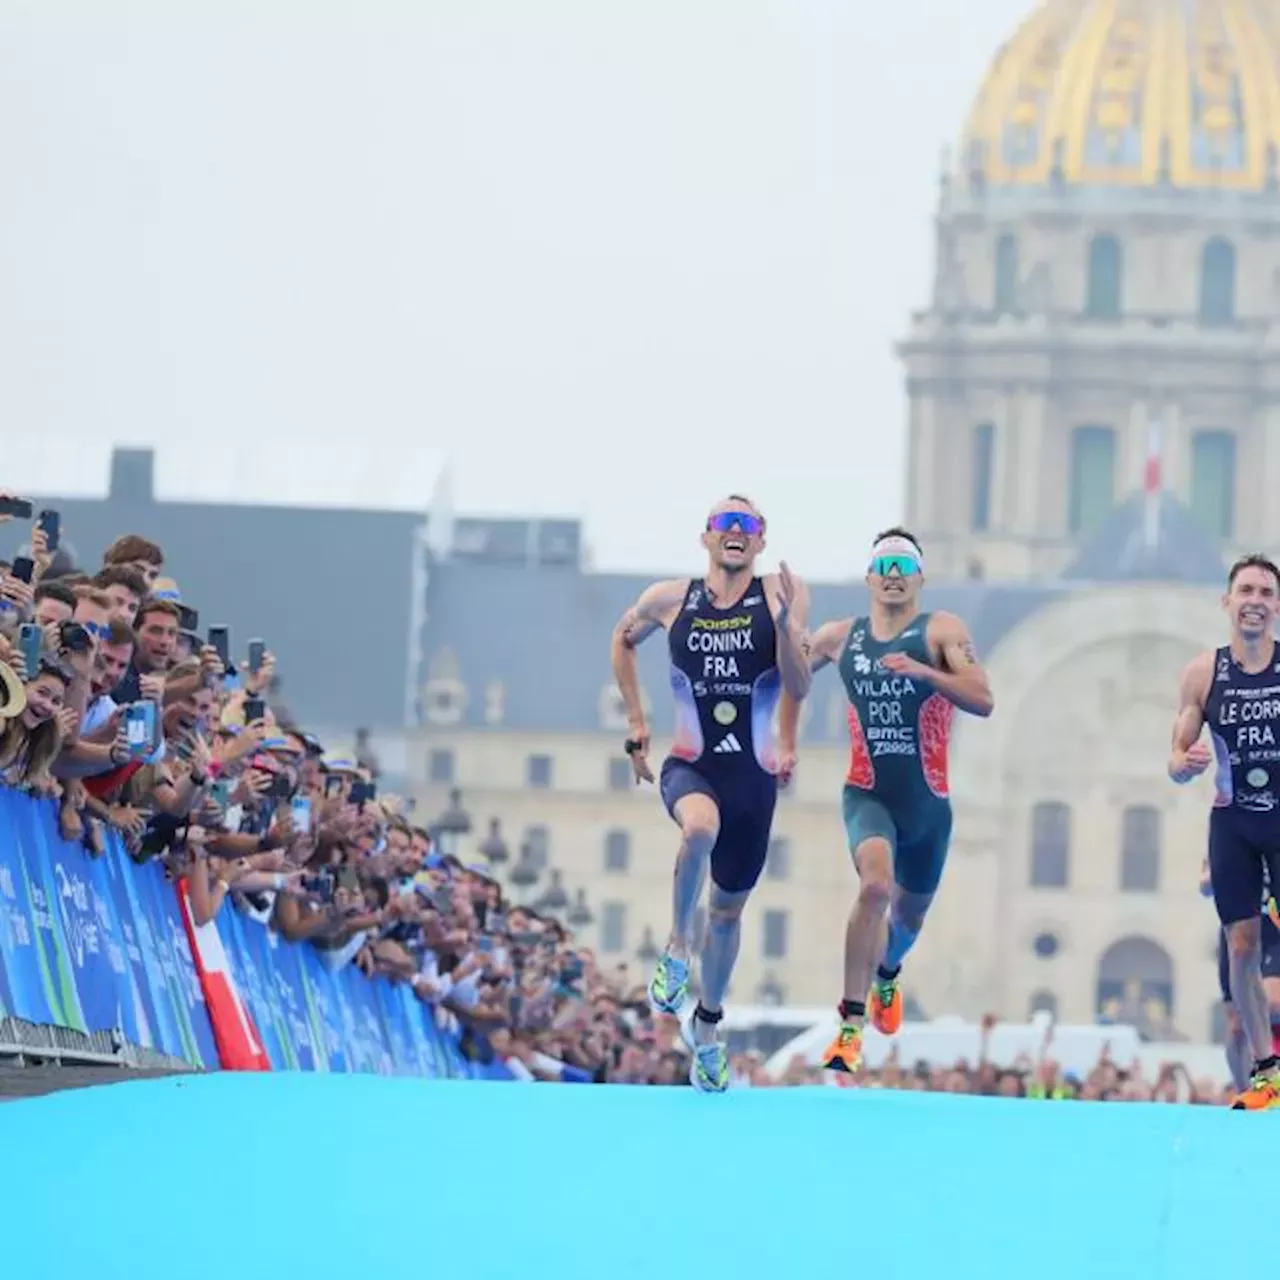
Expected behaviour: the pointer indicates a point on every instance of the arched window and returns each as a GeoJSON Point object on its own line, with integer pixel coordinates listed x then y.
{"type": "Point", "coordinates": [1213, 482]}
{"type": "Point", "coordinates": [1050, 845]}
{"type": "Point", "coordinates": [1140, 849]}
{"type": "Point", "coordinates": [982, 458]}
{"type": "Point", "coordinates": [1106, 269]}
{"type": "Point", "coordinates": [1006, 291]}
{"type": "Point", "coordinates": [1218, 283]}
{"type": "Point", "coordinates": [1135, 986]}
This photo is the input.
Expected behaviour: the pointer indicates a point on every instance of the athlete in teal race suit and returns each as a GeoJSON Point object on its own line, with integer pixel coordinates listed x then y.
{"type": "Point", "coordinates": [904, 672]}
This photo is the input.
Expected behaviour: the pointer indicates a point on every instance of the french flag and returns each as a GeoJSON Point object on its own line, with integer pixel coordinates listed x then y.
{"type": "Point", "coordinates": [1152, 482]}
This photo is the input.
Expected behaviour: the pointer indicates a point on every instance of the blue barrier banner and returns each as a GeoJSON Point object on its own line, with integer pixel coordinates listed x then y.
{"type": "Point", "coordinates": [98, 944]}
{"type": "Point", "coordinates": [93, 943]}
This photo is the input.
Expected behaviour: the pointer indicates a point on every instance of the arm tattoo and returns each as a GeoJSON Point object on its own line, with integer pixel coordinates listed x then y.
{"type": "Point", "coordinates": [635, 627]}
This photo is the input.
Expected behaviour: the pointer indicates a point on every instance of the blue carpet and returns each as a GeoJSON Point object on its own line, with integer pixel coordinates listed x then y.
{"type": "Point", "coordinates": [316, 1176]}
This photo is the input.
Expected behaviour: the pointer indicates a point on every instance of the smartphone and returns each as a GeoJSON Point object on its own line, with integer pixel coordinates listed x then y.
{"type": "Point", "coordinates": [221, 793]}
{"type": "Point", "coordinates": [332, 785]}
{"type": "Point", "coordinates": [257, 655]}
{"type": "Point", "coordinates": [18, 507]}
{"type": "Point", "coordinates": [188, 619]}
{"type": "Point", "coordinates": [281, 787]}
{"type": "Point", "coordinates": [220, 640]}
{"type": "Point", "coordinates": [75, 637]}
{"type": "Point", "coordinates": [300, 811]}
{"type": "Point", "coordinates": [254, 710]}
{"type": "Point", "coordinates": [486, 944]}
{"type": "Point", "coordinates": [31, 644]}
{"type": "Point", "coordinates": [51, 523]}
{"type": "Point", "coordinates": [140, 726]}
{"type": "Point", "coordinates": [24, 568]}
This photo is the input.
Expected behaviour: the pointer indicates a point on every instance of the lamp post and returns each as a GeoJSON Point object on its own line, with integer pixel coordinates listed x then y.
{"type": "Point", "coordinates": [554, 898]}
{"type": "Point", "coordinates": [579, 915]}
{"type": "Point", "coordinates": [454, 822]}
{"type": "Point", "coordinates": [493, 846]}
{"type": "Point", "coordinates": [770, 992]}
{"type": "Point", "coordinates": [524, 875]}
{"type": "Point", "coordinates": [647, 952]}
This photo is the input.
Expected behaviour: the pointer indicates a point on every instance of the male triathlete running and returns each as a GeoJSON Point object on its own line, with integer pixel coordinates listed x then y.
{"type": "Point", "coordinates": [736, 639]}
{"type": "Point", "coordinates": [1235, 690]}
{"type": "Point", "coordinates": [904, 672]}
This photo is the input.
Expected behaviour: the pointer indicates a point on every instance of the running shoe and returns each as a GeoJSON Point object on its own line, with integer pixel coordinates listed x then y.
{"type": "Point", "coordinates": [1263, 1093]}
{"type": "Point", "coordinates": [709, 1070]}
{"type": "Point", "coordinates": [845, 1051]}
{"type": "Point", "coordinates": [884, 1005]}
{"type": "Point", "coordinates": [669, 987]}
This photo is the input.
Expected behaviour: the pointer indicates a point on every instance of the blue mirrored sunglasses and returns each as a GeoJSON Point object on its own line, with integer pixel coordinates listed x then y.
{"type": "Point", "coordinates": [727, 521]}
{"type": "Point", "coordinates": [883, 566]}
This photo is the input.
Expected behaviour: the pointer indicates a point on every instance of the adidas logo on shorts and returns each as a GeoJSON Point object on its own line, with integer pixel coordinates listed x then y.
{"type": "Point", "coordinates": [727, 745]}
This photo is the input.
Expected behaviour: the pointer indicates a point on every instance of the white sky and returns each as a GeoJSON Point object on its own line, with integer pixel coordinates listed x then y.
{"type": "Point", "coordinates": [612, 259]}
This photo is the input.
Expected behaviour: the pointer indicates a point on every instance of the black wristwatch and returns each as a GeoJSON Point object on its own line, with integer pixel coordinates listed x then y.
{"type": "Point", "coordinates": [632, 745]}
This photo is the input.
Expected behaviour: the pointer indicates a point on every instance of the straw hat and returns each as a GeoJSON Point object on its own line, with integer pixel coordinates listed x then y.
{"type": "Point", "coordinates": [13, 695]}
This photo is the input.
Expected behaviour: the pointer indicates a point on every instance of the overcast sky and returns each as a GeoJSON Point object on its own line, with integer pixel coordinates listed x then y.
{"type": "Point", "coordinates": [615, 259]}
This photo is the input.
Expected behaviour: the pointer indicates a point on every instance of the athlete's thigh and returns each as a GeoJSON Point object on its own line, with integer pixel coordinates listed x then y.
{"type": "Point", "coordinates": [746, 824]}
{"type": "Point", "coordinates": [871, 832]}
{"type": "Point", "coordinates": [921, 856]}
{"type": "Point", "coordinates": [690, 797]}
{"type": "Point", "coordinates": [1235, 868]}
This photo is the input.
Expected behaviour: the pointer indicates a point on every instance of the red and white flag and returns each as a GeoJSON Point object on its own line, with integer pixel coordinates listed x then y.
{"type": "Point", "coordinates": [1152, 482]}
{"type": "Point", "coordinates": [239, 1045]}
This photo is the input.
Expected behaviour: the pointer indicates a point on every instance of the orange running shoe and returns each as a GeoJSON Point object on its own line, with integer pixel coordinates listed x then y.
{"type": "Point", "coordinates": [845, 1052]}
{"type": "Point", "coordinates": [1263, 1093]}
{"type": "Point", "coordinates": [884, 1006]}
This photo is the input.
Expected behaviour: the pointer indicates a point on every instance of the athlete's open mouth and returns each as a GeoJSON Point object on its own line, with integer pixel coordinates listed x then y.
{"type": "Point", "coordinates": [735, 544]}
{"type": "Point", "coordinates": [1253, 615]}
{"type": "Point", "coordinates": [895, 585]}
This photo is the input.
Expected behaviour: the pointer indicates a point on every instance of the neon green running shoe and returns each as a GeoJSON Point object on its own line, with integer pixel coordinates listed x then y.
{"type": "Point", "coordinates": [669, 987]}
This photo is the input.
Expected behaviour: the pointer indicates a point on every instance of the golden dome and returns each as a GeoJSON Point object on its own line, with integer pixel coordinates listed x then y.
{"type": "Point", "coordinates": [1133, 93]}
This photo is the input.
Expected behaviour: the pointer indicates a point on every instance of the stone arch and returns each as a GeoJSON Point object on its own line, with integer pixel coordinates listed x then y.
{"type": "Point", "coordinates": [1135, 985]}
{"type": "Point", "coordinates": [1051, 637]}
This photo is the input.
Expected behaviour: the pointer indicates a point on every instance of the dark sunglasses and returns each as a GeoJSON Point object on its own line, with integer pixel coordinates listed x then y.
{"type": "Point", "coordinates": [743, 521]}
{"type": "Point", "coordinates": [883, 566]}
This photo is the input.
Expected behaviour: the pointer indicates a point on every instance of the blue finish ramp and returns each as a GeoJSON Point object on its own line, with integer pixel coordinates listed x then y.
{"type": "Point", "coordinates": [237, 1177]}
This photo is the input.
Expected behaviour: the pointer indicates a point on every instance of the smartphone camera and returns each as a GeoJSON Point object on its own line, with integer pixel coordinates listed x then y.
{"type": "Point", "coordinates": [75, 638]}
{"type": "Point", "coordinates": [255, 709]}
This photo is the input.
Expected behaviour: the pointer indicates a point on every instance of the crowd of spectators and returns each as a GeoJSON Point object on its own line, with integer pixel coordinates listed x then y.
{"type": "Point", "coordinates": [117, 706]}
{"type": "Point", "coordinates": [1040, 1078]}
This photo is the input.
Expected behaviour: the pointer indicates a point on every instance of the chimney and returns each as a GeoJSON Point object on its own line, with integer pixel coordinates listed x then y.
{"type": "Point", "coordinates": [133, 476]}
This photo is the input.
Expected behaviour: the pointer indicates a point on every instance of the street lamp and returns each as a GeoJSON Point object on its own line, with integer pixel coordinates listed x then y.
{"type": "Point", "coordinates": [493, 846]}
{"type": "Point", "coordinates": [647, 952]}
{"type": "Point", "coordinates": [579, 915]}
{"type": "Point", "coordinates": [555, 898]}
{"type": "Point", "coordinates": [455, 821]}
{"type": "Point", "coordinates": [525, 873]}
{"type": "Point", "coordinates": [771, 992]}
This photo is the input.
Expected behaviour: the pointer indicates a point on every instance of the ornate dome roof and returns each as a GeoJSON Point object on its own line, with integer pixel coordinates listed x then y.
{"type": "Point", "coordinates": [1133, 93]}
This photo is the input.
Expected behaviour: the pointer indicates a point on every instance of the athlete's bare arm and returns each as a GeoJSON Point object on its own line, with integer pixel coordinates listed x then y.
{"type": "Point", "coordinates": [959, 676]}
{"type": "Point", "coordinates": [654, 610]}
{"type": "Point", "coordinates": [1189, 758]}
{"type": "Point", "coordinates": [789, 603]}
{"type": "Point", "coordinates": [824, 647]}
